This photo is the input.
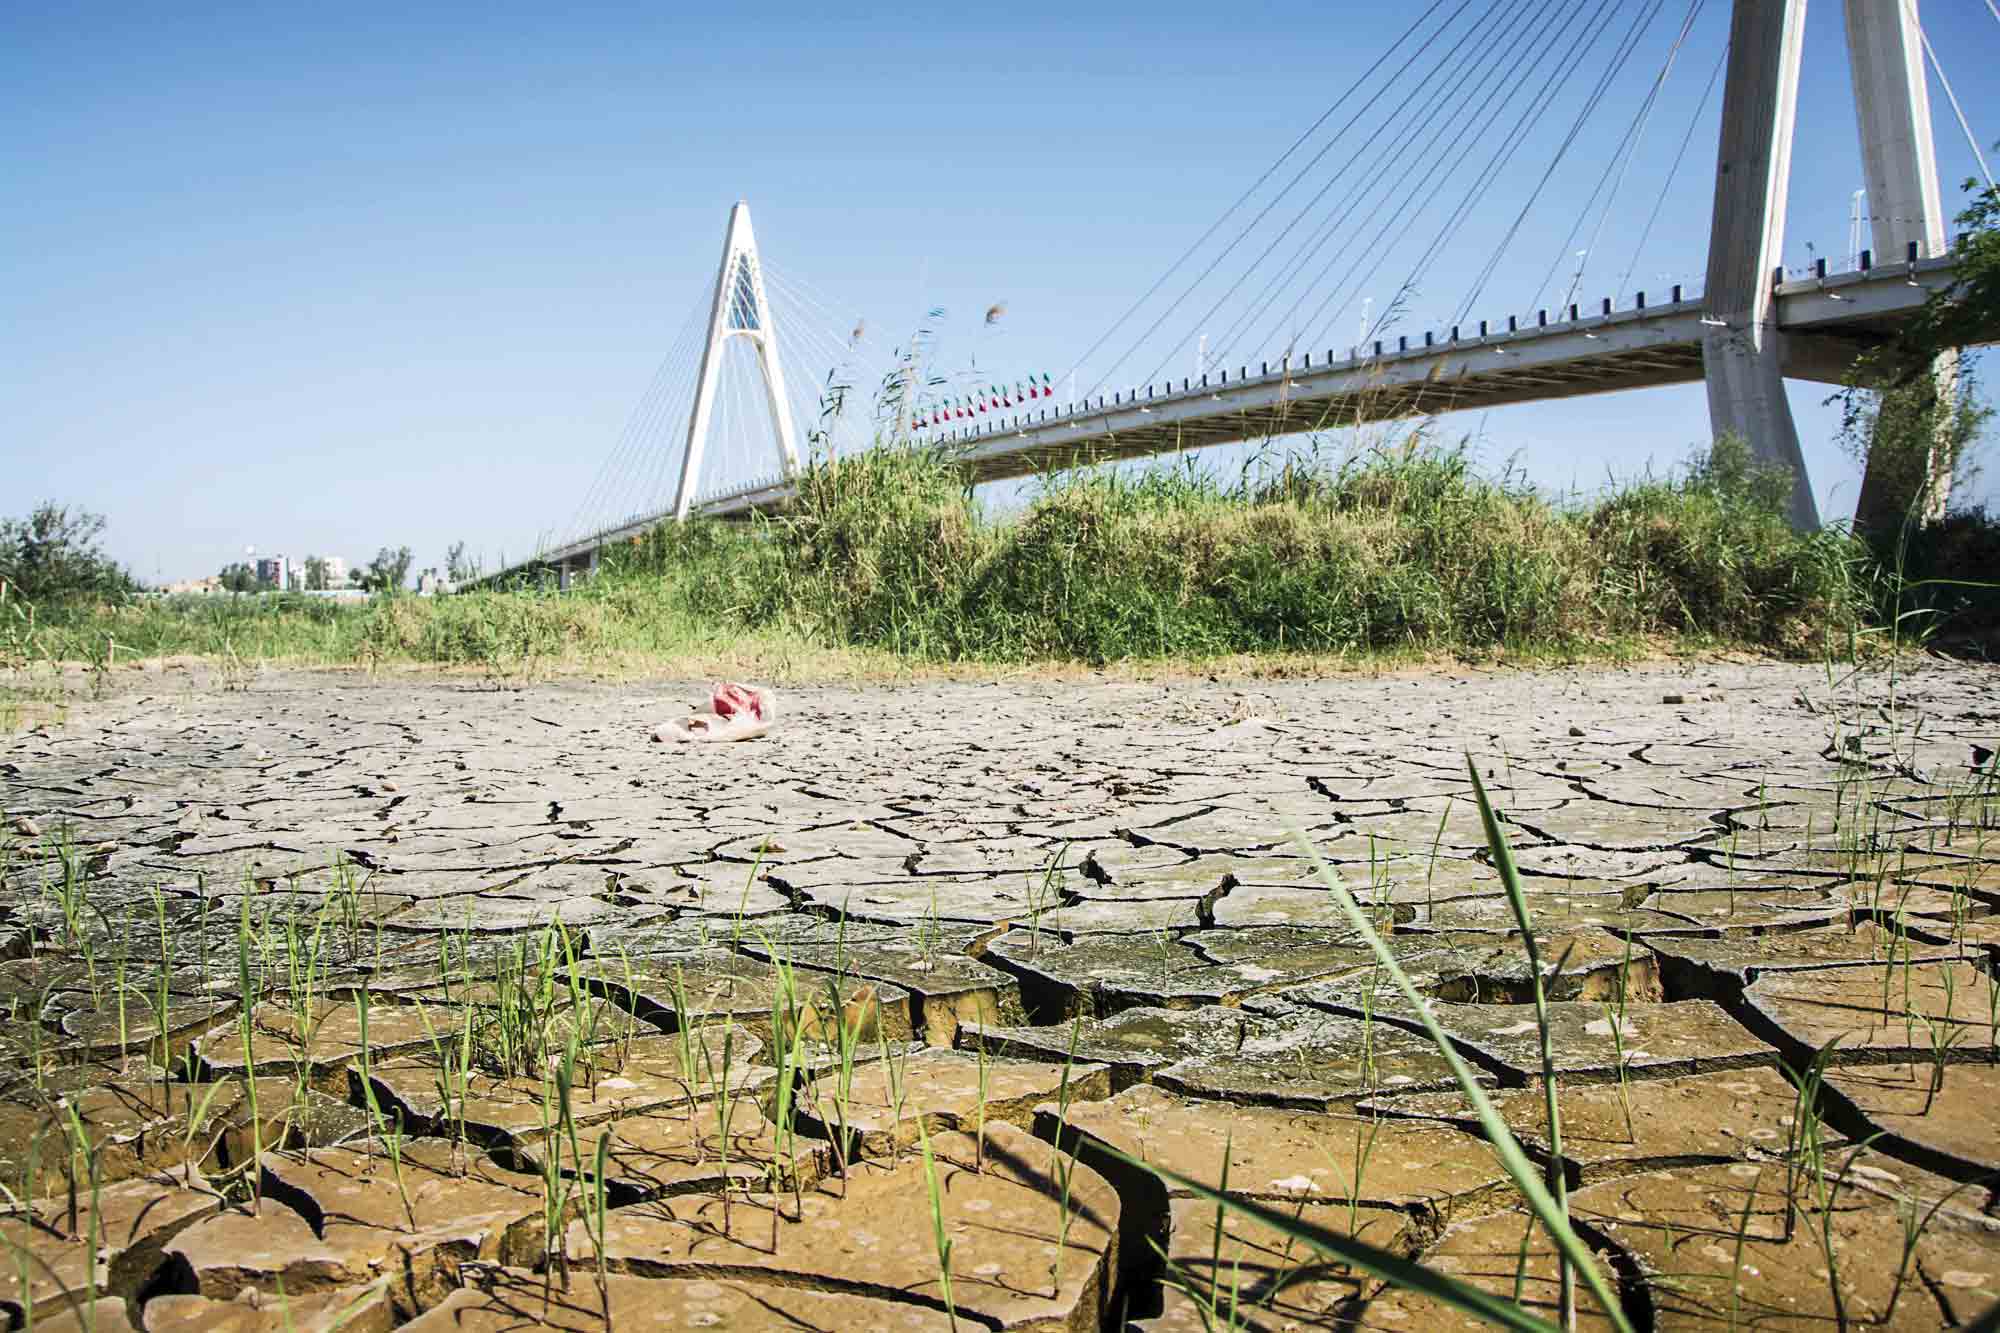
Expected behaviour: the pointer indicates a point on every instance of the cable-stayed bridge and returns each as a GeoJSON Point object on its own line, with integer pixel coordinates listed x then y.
{"type": "Point", "coordinates": [770, 372]}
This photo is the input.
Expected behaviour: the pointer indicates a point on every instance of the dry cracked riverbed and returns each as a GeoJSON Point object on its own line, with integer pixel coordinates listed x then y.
{"type": "Point", "coordinates": [293, 1043]}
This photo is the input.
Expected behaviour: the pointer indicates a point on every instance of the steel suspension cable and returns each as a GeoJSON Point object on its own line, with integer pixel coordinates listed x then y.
{"type": "Point", "coordinates": [667, 431]}
{"type": "Point", "coordinates": [1262, 213]}
{"type": "Point", "coordinates": [675, 417]}
{"type": "Point", "coordinates": [624, 453]}
{"type": "Point", "coordinates": [824, 411]}
{"type": "Point", "coordinates": [727, 446]}
{"type": "Point", "coordinates": [1469, 70]}
{"type": "Point", "coordinates": [1443, 115]}
{"type": "Point", "coordinates": [811, 356]}
{"type": "Point", "coordinates": [1585, 37]}
{"type": "Point", "coordinates": [1620, 56]}
{"type": "Point", "coordinates": [625, 493]}
{"type": "Point", "coordinates": [1972, 140]}
{"type": "Point", "coordinates": [1666, 186]}
{"type": "Point", "coordinates": [816, 348]}
{"type": "Point", "coordinates": [824, 354]}
{"type": "Point", "coordinates": [838, 351]}
{"type": "Point", "coordinates": [1621, 160]}
{"type": "Point", "coordinates": [725, 426]}
{"type": "Point", "coordinates": [1443, 167]}
{"type": "Point", "coordinates": [675, 420]}
{"type": "Point", "coordinates": [804, 293]}
{"type": "Point", "coordinates": [593, 509]}
{"type": "Point", "coordinates": [1258, 184]}
{"type": "Point", "coordinates": [856, 350]}
{"type": "Point", "coordinates": [1542, 51]}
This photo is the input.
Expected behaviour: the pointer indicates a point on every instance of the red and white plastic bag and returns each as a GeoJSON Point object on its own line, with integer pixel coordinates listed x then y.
{"type": "Point", "coordinates": [735, 712]}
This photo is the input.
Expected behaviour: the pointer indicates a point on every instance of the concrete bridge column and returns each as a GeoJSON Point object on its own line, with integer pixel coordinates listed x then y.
{"type": "Point", "coordinates": [1892, 109]}
{"type": "Point", "coordinates": [1741, 348]}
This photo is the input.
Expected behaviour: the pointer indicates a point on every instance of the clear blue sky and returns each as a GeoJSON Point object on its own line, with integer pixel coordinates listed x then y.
{"type": "Point", "coordinates": [331, 278]}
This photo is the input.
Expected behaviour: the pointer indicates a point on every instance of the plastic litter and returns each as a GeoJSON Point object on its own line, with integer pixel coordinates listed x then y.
{"type": "Point", "coordinates": [735, 712]}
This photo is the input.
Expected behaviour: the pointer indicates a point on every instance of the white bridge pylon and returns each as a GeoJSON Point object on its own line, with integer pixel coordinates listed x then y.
{"type": "Point", "coordinates": [1743, 351]}
{"type": "Point", "coordinates": [739, 310]}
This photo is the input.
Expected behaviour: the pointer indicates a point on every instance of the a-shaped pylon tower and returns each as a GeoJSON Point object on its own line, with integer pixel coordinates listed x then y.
{"type": "Point", "coordinates": [738, 311]}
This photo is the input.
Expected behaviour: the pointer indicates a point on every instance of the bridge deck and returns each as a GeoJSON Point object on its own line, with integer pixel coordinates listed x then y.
{"type": "Point", "coordinates": [1825, 322]}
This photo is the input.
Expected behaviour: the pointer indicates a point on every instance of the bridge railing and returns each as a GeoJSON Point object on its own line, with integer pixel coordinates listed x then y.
{"type": "Point", "coordinates": [1563, 318]}
{"type": "Point", "coordinates": [1357, 355]}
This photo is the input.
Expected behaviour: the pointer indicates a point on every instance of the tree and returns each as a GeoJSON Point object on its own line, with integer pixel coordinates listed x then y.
{"type": "Point", "coordinates": [1729, 470]}
{"type": "Point", "coordinates": [52, 555]}
{"type": "Point", "coordinates": [1914, 442]}
{"type": "Point", "coordinates": [457, 567]}
{"type": "Point", "coordinates": [238, 577]}
{"type": "Point", "coordinates": [1964, 314]}
{"type": "Point", "coordinates": [387, 572]}
{"type": "Point", "coordinates": [1911, 411]}
{"type": "Point", "coordinates": [315, 574]}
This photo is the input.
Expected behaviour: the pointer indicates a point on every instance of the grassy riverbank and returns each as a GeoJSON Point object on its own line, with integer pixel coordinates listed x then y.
{"type": "Point", "coordinates": [886, 561]}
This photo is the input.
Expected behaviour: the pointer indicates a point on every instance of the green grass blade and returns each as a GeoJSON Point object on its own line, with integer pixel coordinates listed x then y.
{"type": "Point", "coordinates": [1519, 1169]}
{"type": "Point", "coordinates": [1517, 900]}
{"type": "Point", "coordinates": [1390, 1267]}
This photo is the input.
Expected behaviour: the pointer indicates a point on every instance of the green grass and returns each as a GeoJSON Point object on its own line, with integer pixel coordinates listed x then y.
{"type": "Point", "coordinates": [1543, 1198]}
{"type": "Point", "coordinates": [1407, 550]}
{"type": "Point", "coordinates": [617, 627]}
{"type": "Point", "coordinates": [886, 562]}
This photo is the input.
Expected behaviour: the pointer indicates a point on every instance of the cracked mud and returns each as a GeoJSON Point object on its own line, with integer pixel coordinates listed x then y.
{"type": "Point", "coordinates": [338, 1004]}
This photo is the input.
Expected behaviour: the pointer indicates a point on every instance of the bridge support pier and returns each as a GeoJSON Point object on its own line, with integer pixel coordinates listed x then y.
{"type": "Point", "coordinates": [1892, 109]}
{"type": "Point", "coordinates": [571, 568]}
{"type": "Point", "coordinates": [1741, 351]}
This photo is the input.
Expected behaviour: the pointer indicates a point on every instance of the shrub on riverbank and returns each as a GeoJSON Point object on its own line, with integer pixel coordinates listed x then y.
{"type": "Point", "coordinates": [1408, 550]}
{"type": "Point", "coordinates": [1405, 550]}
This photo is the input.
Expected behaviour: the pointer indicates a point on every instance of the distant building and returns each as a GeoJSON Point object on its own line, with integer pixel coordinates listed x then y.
{"type": "Point", "coordinates": [195, 587]}
{"type": "Point", "coordinates": [336, 573]}
{"type": "Point", "coordinates": [274, 571]}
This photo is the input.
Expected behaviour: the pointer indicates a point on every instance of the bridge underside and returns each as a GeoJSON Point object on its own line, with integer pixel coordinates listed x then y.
{"type": "Point", "coordinates": [1824, 322]}
{"type": "Point", "coordinates": [1301, 411]}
